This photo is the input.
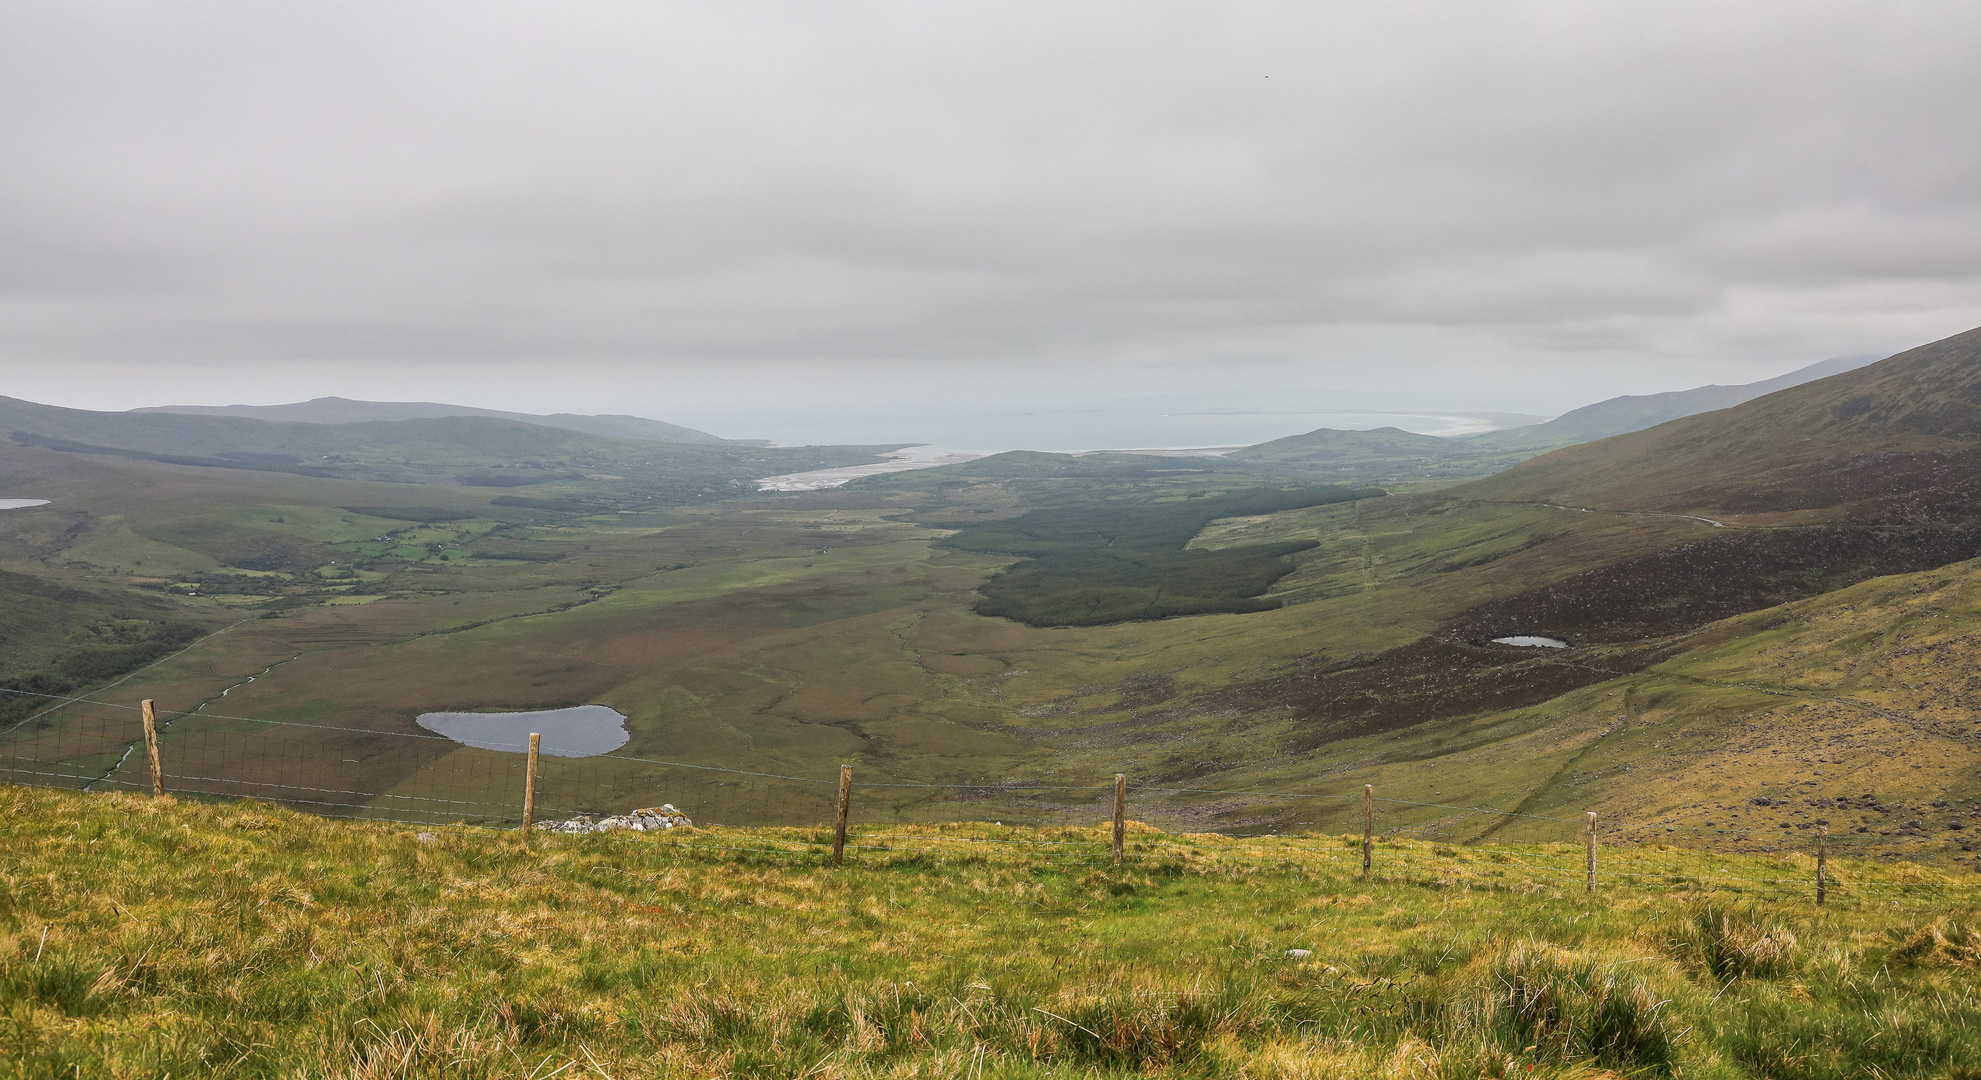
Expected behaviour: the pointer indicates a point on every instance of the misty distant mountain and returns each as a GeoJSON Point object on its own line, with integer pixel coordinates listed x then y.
{"type": "Point", "coordinates": [1390, 455]}
{"type": "Point", "coordinates": [1635, 412]}
{"type": "Point", "coordinates": [336, 410]}
{"type": "Point", "coordinates": [468, 451]}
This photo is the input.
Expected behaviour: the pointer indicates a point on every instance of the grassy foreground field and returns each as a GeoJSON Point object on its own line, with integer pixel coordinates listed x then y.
{"type": "Point", "coordinates": [149, 938]}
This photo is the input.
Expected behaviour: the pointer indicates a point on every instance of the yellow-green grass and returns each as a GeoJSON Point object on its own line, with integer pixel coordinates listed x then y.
{"type": "Point", "coordinates": [141, 938]}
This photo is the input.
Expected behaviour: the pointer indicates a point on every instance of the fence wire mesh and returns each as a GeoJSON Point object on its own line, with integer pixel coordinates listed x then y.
{"type": "Point", "coordinates": [435, 782]}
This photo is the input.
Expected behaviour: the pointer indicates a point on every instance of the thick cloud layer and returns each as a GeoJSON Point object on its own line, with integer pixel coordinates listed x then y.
{"type": "Point", "coordinates": [697, 210]}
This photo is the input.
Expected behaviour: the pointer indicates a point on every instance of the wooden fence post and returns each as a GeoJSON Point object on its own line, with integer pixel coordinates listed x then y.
{"type": "Point", "coordinates": [1120, 812]}
{"type": "Point", "coordinates": [530, 789]}
{"type": "Point", "coordinates": [845, 797]}
{"type": "Point", "coordinates": [1368, 825]}
{"type": "Point", "coordinates": [1822, 863]}
{"type": "Point", "coordinates": [1592, 853]}
{"type": "Point", "coordinates": [151, 749]}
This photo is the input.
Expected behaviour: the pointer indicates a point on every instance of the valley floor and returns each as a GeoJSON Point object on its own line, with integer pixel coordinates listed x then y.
{"type": "Point", "coordinates": [754, 640]}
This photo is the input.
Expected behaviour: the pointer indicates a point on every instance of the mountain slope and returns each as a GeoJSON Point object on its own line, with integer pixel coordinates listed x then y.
{"type": "Point", "coordinates": [336, 410]}
{"type": "Point", "coordinates": [1827, 485]}
{"type": "Point", "coordinates": [1899, 440]}
{"type": "Point", "coordinates": [1853, 709]}
{"type": "Point", "coordinates": [1635, 412]}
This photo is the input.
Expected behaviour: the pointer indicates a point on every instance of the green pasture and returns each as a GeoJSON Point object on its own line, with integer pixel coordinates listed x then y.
{"type": "Point", "coordinates": [144, 937]}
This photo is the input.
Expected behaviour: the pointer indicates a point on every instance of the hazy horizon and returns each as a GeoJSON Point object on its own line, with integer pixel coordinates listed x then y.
{"type": "Point", "coordinates": [1208, 419]}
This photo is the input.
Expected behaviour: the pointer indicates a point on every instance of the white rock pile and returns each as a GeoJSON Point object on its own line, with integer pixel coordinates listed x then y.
{"type": "Point", "coordinates": [650, 819]}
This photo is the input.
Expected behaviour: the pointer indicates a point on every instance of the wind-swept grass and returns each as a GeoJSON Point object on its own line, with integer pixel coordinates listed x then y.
{"type": "Point", "coordinates": [145, 938]}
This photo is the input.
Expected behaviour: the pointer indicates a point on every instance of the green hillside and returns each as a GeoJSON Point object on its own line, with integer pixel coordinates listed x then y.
{"type": "Point", "coordinates": [148, 938]}
{"type": "Point", "coordinates": [1328, 446]}
{"type": "Point", "coordinates": [58, 638]}
{"type": "Point", "coordinates": [1389, 456]}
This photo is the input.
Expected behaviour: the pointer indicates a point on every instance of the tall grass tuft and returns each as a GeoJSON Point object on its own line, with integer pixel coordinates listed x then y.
{"type": "Point", "coordinates": [1540, 1002]}
{"type": "Point", "coordinates": [1940, 943]}
{"type": "Point", "coordinates": [1728, 943]}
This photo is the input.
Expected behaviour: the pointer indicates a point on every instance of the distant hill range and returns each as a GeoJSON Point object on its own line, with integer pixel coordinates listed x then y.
{"type": "Point", "coordinates": [1635, 412]}
{"type": "Point", "coordinates": [1391, 454]}
{"type": "Point", "coordinates": [476, 449]}
{"type": "Point", "coordinates": [336, 410]}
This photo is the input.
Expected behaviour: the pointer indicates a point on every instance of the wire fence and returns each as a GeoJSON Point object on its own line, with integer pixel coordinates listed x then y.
{"type": "Point", "coordinates": [433, 781]}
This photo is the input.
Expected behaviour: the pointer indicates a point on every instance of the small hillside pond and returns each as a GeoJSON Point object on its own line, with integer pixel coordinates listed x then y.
{"type": "Point", "coordinates": [582, 731]}
{"type": "Point", "coordinates": [21, 504]}
{"type": "Point", "coordinates": [1532, 641]}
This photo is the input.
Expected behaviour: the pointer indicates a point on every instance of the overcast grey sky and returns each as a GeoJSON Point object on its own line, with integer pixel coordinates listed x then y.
{"type": "Point", "coordinates": [728, 213]}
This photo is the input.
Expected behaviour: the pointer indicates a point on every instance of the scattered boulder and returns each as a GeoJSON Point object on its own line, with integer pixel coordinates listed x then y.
{"type": "Point", "coordinates": [1299, 954]}
{"type": "Point", "coordinates": [648, 819]}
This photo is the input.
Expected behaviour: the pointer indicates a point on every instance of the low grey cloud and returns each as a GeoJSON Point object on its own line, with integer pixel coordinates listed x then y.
{"type": "Point", "coordinates": [680, 204]}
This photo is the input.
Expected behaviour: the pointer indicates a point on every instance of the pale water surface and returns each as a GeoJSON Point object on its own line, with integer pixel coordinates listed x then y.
{"type": "Point", "coordinates": [1533, 642]}
{"type": "Point", "coordinates": [903, 460]}
{"type": "Point", "coordinates": [581, 731]}
{"type": "Point", "coordinates": [17, 504]}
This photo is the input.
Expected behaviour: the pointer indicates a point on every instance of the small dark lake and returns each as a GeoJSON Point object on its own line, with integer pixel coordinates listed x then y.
{"type": "Point", "coordinates": [581, 731]}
